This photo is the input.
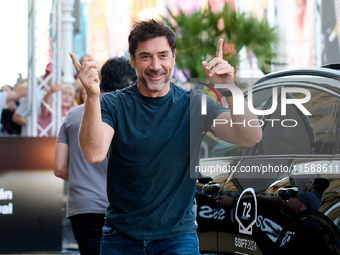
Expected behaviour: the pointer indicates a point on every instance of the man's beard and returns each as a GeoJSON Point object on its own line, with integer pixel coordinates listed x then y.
{"type": "Point", "coordinates": [148, 84]}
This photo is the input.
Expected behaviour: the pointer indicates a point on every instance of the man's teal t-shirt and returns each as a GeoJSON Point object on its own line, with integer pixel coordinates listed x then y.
{"type": "Point", "coordinates": [149, 187]}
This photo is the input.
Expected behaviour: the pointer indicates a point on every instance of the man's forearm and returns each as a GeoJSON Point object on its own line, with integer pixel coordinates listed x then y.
{"type": "Point", "coordinates": [91, 133]}
{"type": "Point", "coordinates": [94, 135]}
{"type": "Point", "coordinates": [247, 127]}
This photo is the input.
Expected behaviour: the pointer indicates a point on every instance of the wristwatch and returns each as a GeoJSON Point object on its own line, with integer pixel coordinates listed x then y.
{"type": "Point", "coordinates": [228, 93]}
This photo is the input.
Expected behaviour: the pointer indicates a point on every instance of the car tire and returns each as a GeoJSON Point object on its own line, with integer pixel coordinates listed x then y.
{"type": "Point", "coordinates": [310, 232]}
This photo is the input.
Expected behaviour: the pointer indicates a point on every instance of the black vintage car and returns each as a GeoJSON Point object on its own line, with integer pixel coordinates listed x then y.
{"type": "Point", "coordinates": [241, 200]}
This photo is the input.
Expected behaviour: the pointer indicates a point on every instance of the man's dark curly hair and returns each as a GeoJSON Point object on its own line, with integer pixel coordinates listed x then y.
{"type": "Point", "coordinates": [149, 29]}
{"type": "Point", "coordinates": [116, 73]}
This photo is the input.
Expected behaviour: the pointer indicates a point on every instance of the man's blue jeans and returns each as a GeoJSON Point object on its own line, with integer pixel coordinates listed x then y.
{"type": "Point", "coordinates": [115, 243]}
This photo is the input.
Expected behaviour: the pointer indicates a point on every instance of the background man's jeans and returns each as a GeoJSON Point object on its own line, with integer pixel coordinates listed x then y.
{"type": "Point", "coordinates": [115, 243]}
{"type": "Point", "coordinates": [87, 229]}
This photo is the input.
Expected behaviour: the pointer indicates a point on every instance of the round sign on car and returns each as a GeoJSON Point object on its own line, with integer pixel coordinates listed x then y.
{"type": "Point", "coordinates": [246, 211]}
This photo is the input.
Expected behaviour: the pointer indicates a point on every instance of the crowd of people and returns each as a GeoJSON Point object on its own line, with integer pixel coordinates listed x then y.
{"type": "Point", "coordinates": [14, 108]}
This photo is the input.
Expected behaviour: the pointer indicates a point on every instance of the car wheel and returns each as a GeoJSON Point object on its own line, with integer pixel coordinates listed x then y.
{"type": "Point", "coordinates": [310, 232]}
